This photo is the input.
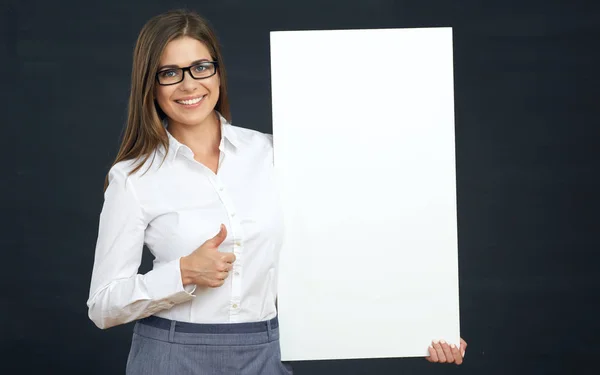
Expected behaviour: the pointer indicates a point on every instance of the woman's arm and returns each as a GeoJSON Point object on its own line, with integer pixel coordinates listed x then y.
{"type": "Point", "coordinates": [118, 294]}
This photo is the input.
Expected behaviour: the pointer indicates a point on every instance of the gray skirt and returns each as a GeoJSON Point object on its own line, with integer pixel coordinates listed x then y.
{"type": "Point", "coordinates": [165, 347]}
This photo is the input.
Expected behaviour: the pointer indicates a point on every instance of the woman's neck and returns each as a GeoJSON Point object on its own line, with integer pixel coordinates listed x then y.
{"type": "Point", "coordinates": [202, 139]}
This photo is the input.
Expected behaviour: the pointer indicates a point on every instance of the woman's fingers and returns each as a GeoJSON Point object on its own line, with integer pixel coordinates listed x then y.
{"type": "Point", "coordinates": [463, 347]}
{"type": "Point", "coordinates": [433, 357]}
{"type": "Point", "coordinates": [439, 352]}
{"type": "Point", "coordinates": [458, 359]}
{"type": "Point", "coordinates": [442, 352]}
{"type": "Point", "coordinates": [447, 351]}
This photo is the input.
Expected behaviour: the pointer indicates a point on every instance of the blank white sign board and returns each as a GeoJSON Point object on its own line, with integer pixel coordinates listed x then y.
{"type": "Point", "coordinates": [363, 127]}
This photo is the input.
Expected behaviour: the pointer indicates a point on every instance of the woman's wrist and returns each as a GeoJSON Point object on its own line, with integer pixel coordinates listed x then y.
{"type": "Point", "coordinates": [186, 278]}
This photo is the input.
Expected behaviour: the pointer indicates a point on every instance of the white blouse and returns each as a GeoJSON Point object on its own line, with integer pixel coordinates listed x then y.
{"type": "Point", "coordinates": [173, 208]}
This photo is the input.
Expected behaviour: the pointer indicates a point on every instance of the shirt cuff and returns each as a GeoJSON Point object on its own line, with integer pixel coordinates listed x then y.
{"type": "Point", "coordinates": [165, 286]}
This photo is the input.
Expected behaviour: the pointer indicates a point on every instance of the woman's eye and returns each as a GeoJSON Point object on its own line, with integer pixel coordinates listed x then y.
{"type": "Point", "coordinates": [168, 73]}
{"type": "Point", "coordinates": [200, 68]}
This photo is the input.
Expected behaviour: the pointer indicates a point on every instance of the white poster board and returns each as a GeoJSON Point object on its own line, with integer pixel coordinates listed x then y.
{"type": "Point", "coordinates": [363, 127]}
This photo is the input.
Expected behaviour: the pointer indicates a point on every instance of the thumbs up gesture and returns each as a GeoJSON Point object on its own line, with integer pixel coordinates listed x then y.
{"type": "Point", "coordinates": [206, 266]}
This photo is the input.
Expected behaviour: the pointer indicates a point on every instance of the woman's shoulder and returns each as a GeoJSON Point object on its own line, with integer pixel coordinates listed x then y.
{"type": "Point", "coordinates": [134, 168]}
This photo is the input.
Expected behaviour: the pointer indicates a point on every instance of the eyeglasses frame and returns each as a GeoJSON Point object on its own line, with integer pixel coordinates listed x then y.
{"type": "Point", "coordinates": [188, 69]}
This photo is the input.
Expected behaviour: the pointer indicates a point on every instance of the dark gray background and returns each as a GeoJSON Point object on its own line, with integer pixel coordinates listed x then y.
{"type": "Point", "coordinates": [527, 108]}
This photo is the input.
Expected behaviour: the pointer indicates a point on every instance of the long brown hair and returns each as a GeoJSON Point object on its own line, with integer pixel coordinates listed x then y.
{"type": "Point", "coordinates": [145, 131]}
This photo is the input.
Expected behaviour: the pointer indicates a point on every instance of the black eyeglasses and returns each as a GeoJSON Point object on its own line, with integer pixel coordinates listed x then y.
{"type": "Point", "coordinates": [172, 76]}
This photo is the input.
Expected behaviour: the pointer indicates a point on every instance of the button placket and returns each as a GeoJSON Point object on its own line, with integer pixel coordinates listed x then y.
{"type": "Point", "coordinates": [235, 229]}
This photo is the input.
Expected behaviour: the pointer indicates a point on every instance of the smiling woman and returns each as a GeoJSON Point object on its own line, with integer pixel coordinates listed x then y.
{"type": "Point", "coordinates": [199, 193]}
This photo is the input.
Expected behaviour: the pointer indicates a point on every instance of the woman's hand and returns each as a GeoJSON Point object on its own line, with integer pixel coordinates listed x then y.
{"type": "Point", "coordinates": [441, 352]}
{"type": "Point", "coordinates": [206, 266]}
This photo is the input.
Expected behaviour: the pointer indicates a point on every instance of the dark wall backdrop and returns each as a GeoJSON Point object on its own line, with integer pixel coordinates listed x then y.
{"type": "Point", "coordinates": [527, 129]}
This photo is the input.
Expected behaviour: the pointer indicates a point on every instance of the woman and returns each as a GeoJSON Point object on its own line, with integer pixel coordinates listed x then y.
{"type": "Point", "coordinates": [199, 193]}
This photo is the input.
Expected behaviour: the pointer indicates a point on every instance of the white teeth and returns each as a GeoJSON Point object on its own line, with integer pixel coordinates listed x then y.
{"type": "Point", "coordinates": [191, 101]}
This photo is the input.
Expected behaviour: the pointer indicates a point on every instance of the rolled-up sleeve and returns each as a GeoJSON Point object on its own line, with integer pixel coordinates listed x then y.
{"type": "Point", "coordinates": [118, 294]}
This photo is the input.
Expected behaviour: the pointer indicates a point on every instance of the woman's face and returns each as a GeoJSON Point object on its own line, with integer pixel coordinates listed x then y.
{"type": "Point", "coordinates": [191, 101]}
